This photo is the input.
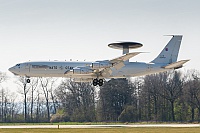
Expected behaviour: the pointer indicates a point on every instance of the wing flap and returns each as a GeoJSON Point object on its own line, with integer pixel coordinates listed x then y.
{"type": "Point", "coordinates": [177, 64]}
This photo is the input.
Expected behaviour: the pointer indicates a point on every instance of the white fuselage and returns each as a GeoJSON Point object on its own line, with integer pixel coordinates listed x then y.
{"type": "Point", "coordinates": [58, 69]}
{"type": "Point", "coordinates": [119, 67]}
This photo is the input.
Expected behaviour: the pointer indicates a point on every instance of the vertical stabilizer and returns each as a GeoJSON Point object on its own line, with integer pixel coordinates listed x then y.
{"type": "Point", "coordinates": [170, 53]}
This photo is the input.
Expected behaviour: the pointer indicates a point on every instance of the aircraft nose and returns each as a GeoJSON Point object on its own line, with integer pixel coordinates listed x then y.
{"type": "Point", "coordinates": [13, 70]}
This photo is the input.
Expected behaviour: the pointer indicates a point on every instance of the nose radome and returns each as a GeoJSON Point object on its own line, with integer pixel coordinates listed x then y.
{"type": "Point", "coordinates": [13, 70]}
{"type": "Point", "coordinates": [10, 69]}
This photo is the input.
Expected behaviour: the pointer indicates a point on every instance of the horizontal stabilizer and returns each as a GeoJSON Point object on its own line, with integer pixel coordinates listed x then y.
{"type": "Point", "coordinates": [176, 64]}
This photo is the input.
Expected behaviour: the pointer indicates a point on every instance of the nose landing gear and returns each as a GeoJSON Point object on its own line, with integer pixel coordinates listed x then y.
{"type": "Point", "coordinates": [28, 80]}
{"type": "Point", "coordinates": [97, 82]}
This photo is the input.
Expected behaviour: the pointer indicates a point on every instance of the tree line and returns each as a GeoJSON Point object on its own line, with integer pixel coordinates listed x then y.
{"type": "Point", "coordinates": [162, 97]}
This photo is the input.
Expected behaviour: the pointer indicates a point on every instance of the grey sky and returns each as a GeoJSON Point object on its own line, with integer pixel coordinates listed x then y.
{"type": "Point", "coordinates": [81, 29]}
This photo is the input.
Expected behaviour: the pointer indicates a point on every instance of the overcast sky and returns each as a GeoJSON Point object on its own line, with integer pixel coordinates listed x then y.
{"type": "Point", "coordinates": [82, 29]}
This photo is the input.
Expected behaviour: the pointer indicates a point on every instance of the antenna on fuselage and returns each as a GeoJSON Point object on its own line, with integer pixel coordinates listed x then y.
{"type": "Point", "coordinates": [125, 46]}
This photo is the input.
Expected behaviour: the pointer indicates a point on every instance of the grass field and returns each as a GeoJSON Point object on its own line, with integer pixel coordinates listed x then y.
{"type": "Point", "coordinates": [105, 130]}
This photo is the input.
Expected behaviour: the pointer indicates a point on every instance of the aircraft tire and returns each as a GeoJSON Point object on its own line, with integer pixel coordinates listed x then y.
{"type": "Point", "coordinates": [28, 80]}
{"type": "Point", "coordinates": [100, 80]}
{"type": "Point", "coordinates": [95, 82]}
{"type": "Point", "coordinates": [100, 83]}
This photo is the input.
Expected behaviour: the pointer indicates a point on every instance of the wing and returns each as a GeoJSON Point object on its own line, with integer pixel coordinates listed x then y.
{"type": "Point", "coordinates": [119, 61]}
{"type": "Point", "coordinates": [125, 57]}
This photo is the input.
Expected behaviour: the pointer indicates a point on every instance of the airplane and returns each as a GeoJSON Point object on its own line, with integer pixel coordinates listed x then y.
{"type": "Point", "coordinates": [97, 71]}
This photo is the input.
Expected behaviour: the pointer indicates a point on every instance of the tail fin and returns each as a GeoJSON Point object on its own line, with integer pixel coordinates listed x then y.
{"type": "Point", "coordinates": [170, 53]}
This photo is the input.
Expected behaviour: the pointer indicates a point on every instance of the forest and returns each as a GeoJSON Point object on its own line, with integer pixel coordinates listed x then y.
{"type": "Point", "coordinates": [172, 96]}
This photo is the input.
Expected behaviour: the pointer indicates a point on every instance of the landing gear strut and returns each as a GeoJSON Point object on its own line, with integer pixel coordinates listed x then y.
{"type": "Point", "coordinates": [97, 82]}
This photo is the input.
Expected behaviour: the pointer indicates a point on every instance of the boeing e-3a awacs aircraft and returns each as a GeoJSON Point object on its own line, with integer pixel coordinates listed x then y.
{"type": "Point", "coordinates": [95, 72]}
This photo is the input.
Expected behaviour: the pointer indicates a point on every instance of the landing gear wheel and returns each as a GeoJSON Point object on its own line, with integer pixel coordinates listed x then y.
{"type": "Point", "coordinates": [95, 82]}
{"type": "Point", "coordinates": [28, 80]}
{"type": "Point", "coordinates": [100, 83]}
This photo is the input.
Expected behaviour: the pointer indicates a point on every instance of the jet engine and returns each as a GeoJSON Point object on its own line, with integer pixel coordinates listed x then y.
{"type": "Point", "coordinates": [82, 70]}
{"type": "Point", "coordinates": [100, 64]}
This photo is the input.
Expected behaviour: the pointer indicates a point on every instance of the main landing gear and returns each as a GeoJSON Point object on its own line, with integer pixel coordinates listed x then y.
{"type": "Point", "coordinates": [97, 82]}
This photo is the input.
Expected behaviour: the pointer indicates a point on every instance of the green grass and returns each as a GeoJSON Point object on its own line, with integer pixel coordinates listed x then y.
{"type": "Point", "coordinates": [105, 130]}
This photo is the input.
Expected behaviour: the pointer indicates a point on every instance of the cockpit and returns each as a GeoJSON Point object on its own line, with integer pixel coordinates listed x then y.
{"type": "Point", "coordinates": [16, 69]}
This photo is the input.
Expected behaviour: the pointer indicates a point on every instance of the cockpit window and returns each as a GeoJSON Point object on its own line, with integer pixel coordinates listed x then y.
{"type": "Point", "coordinates": [18, 65]}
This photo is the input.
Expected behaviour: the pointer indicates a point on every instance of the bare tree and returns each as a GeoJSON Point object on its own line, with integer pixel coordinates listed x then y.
{"type": "Point", "coordinates": [33, 87]}
{"type": "Point", "coordinates": [3, 77]}
{"type": "Point", "coordinates": [7, 105]}
{"type": "Point", "coordinates": [23, 85]}
{"type": "Point", "coordinates": [51, 90]}
{"type": "Point", "coordinates": [47, 85]}
{"type": "Point", "coordinates": [38, 105]}
{"type": "Point", "coordinates": [2, 104]}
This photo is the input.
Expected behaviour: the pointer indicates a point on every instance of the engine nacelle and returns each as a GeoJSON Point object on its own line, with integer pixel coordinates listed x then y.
{"type": "Point", "coordinates": [82, 70]}
{"type": "Point", "coordinates": [100, 64]}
